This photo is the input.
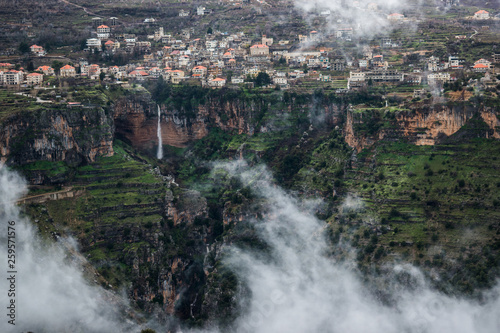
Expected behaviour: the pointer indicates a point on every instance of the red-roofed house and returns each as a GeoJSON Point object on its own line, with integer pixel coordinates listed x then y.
{"type": "Point", "coordinates": [34, 78]}
{"type": "Point", "coordinates": [5, 66]}
{"type": "Point", "coordinates": [103, 32]}
{"type": "Point", "coordinates": [138, 74]}
{"type": "Point", "coordinates": [47, 70]}
{"type": "Point", "coordinates": [231, 63]}
{"type": "Point", "coordinates": [94, 71]}
{"type": "Point", "coordinates": [480, 68]}
{"type": "Point", "coordinates": [481, 15]}
{"type": "Point", "coordinates": [67, 71]}
{"type": "Point", "coordinates": [201, 70]}
{"type": "Point", "coordinates": [13, 77]}
{"type": "Point", "coordinates": [395, 17]}
{"type": "Point", "coordinates": [217, 82]}
{"type": "Point", "coordinates": [155, 72]}
{"type": "Point", "coordinates": [259, 50]}
{"type": "Point", "coordinates": [109, 45]}
{"type": "Point", "coordinates": [38, 50]}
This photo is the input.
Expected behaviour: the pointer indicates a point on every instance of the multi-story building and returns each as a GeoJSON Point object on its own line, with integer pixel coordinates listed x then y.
{"type": "Point", "coordinates": [482, 15]}
{"type": "Point", "coordinates": [103, 32]}
{"type": "Point", "coordinates": [34, 79]}
{"type": "Point", "coordinates": [67, 71]}
{"type": "Point", "coordinates": [200, 70]}
{"type": "Point", "coordinates": [13, 77]}
{"type": "Point", "coordinates": [93, 43]}
{"type": "Point", "coordinates": [47, 70]}
{"type": "Point", "coordinates": [217, 83]}
{"type": "Point", "coordinates": [37, 50]}
{"type": "Point", "coordinates": [441, 77]}
{"type": "Point", "coordinates": [259, 50]}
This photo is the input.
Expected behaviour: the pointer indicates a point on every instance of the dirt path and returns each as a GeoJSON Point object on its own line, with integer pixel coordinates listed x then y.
{"type": "Point", "coordinates": [66, 192]}
{"type": "Point", "coordinates": [81, 7]}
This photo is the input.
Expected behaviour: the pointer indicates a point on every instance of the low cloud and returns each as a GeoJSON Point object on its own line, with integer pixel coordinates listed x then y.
{"type": "Point", "coordinates": [51, 294]}
{"type": "Point", "coordinates": [299, 289]}
{"type": "Point", "coordinates": [367, 18]}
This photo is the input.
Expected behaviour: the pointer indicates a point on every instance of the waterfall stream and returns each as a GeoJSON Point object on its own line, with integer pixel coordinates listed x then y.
{"type": "Point", "coordinates": [159, 153]}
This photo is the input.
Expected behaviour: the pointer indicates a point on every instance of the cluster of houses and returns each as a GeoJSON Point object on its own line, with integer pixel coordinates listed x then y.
{"type": "Point", "coordinates": [435, 72]}
{"type": "Point", "coordinates": [219, 59]}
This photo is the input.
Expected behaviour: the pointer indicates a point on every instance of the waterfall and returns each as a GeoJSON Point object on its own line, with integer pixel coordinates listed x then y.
{"type": "Point", "coordinates": [159, 153]}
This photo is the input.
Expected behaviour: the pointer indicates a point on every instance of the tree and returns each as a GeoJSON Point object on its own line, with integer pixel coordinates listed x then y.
{"type": "Point", "coordinates": [209, 31]}
{"type": "Point", "coordinates": [262, 79]}
{"type": "Point", "coordinates": [56, 65]}
{"type": "Point", "coordinates": [30, 67]}
{"type": "Point", "coordinates": [102, 75]}
{"type": "Point", "coordinates": [161, 91]}
{"type": "Point", "coordinates": [24, 47]}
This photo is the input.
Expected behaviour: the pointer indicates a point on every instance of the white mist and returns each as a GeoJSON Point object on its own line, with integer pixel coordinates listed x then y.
{"type": "Point", "coordinates": [298, 289]}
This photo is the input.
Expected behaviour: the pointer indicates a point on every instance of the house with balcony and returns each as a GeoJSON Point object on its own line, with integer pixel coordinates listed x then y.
{"type": "Point", "coordinates": [217, 83]}
{"type": "Point", "coordinates": [103, 32]}
{"type": "Point", "coordinates": [47, 70]}
{"type": "Point", "coordinates": [37, 50]}
{"type": "Point", "coordinates": [259, 50]}
{"type": "Point", "coordinates": [34, 79]}
{"type": "Point", "coordinates": [67, 71]}
{"type": "Point", "coordinates": [12, 77]}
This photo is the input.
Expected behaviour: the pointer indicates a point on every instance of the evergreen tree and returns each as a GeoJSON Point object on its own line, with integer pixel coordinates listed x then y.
{"type": "Point", "coordinates": [262, 79]}
{"type": "Point", "coordinates": [24, 47]}
{"type": "Point", "coordinates": [161, 90]}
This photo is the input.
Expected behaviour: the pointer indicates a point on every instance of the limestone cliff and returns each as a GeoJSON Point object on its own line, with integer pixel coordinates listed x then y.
{"type": "Point", "coordinates": [136, 121]}
{"type": "Point", "coordinates": [425, 125]}
{"type": "Point", "coordinates": [56, 134]}
{"type": "Point", "coordinates": [136, 118]}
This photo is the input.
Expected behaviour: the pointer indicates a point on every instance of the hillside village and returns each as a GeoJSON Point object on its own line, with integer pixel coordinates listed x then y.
{"type": "Point", "coordinates": [200, 163]}
{"type": "Point", "coordinates": [218, 59]}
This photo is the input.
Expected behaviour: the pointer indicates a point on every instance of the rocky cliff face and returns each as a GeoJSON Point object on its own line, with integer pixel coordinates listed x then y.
{"type": "Point", "coordinates": [56, 134]}
{"type": "Point", "coordinates": [422, 126]}
{"type": "Point", "coordinates": [136, 121]}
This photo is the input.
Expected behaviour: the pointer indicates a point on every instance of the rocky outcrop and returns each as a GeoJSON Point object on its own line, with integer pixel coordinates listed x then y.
{"type": "Point", "coordinates": [56, 134]}
{"type": "Point", "coordinates": [421, 126]}
{"type": "Point", "coordinates": [186, 207]}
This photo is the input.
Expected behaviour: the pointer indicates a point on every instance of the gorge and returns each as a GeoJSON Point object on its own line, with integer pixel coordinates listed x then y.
{"type": "Point", "coordinates": [213, 245]}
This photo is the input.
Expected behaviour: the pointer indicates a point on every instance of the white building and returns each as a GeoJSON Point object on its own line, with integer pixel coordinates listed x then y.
{"type": "Point", "coordinates": [395, 17]}
{"type": "Point", "coordinates": [67, 71]}
{"type": "Point", "coordinates": [259, 50]}
{"type": "Point", "coordinates": [37, 50]}
{"type": "Point", "coordinates": [481, 15]}
{"type": "Point", "coordinates": [433, 78]}
{"type": "Point", "coordinates": [34, 79]}
{"type": "Point", "coordinates": [12, 77]}
{"type": "Point", "coordinates": [200, 10]}
{"type": "Point", "coordinates": [280, 80]}
{"type": "Point", "coordinates": [217, 82]}
{"type": "Point", "coordinates": [103, 32]}
{"type": "Point", "coordinates": [93, 43]}
{"type": "Point", "coordinates": [237, 80]}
